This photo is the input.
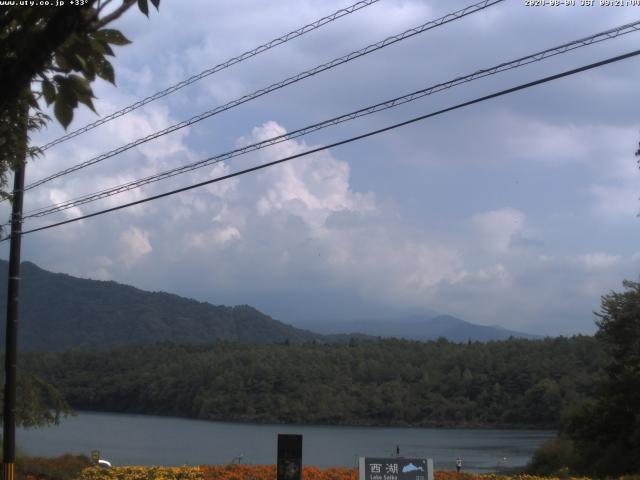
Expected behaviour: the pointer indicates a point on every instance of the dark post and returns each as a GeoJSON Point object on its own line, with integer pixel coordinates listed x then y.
{"type": "Point", "coordinates": [11, 345]}
{"type": "Point", "coordinates": [289, 466]}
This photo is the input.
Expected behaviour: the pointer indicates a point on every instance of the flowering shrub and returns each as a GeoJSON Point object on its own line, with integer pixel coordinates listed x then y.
{"type": "Point", "coordinates": [493, 476]}
{"type": "Point", "coordinates": [238, 472]}
{"type": "Point", "coordinates": [141, 473]}
{"type": "Point", "coordinates": [268, 472]}
{"type": "Point", "coordinates": [450, 475]}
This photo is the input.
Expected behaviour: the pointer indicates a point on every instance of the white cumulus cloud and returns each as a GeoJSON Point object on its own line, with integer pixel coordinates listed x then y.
{"type": "Point", "coordinates": [134, 244]}
{"type": "Point", "coordinates": [497, 229]}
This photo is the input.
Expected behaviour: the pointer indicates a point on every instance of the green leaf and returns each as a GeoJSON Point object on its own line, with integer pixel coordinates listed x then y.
{"type": "Point", "coordinates": [97, 46]}
{"type": "Point", "coordinates": [156, 3]}
{"type": "Point", "coordinates": [105, 70]}
{"type": "Point", "coordinates": [101, 47]}
{"type": "Point", "coordinates": [62, 62]}
{"type": "Point", "coordinates": [72, 41]}
{"type": "Point", "coordinates": [81, 48]}
{"type": "Point", "coordinates": [73, 62]}
{"type": "Point", "coordinates": [80, 85]}
{"type": "Point", "coordinates": [67, 94]}
{"type": "Point", "coordinates": [90, 72]}
{"type": "Point", "coordinates": [48, 91]}
{"type": "Point", "coordinates": [86, 99]}
{"type": "Point", "coordinates": [107, 49]}
{"type": "Point", "coordinates": [81, 62]}
{"type": "Point", "coordinates": [144, 7]}
{"type": "Point", "coordinates": [111, 36]}
{"type": "Point", "coordinates": [63, 112]}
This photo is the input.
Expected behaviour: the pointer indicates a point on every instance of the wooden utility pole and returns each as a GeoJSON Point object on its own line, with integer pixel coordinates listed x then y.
{"type": "Point", "coordinates": [11, 339]}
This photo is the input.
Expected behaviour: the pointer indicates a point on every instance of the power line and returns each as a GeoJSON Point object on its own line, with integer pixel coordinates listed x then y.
{"type": "Point", "coordinates": [210, 71]}
{"type": "Point", "coordinates": [258, 93]}
{"type": "Point", "coordinates": [535, 57]}
{"type": "Point", "coordinates": [346, 141]}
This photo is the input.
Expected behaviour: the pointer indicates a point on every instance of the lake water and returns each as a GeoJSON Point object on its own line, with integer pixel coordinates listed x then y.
{"type": "Point", "coordinates": [149, 440]}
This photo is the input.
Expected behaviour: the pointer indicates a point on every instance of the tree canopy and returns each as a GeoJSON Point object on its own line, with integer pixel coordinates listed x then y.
{"type": "Point", "coordinates": [513, 383]}
{"type": "Point", "coordinates": [601, 437]}
{"type": "Point", "coordinates": [39, 402]}
{"type": "Point", "coordinates": [606, 432]}
{"type": "Point", "coordinates": [51, 55]}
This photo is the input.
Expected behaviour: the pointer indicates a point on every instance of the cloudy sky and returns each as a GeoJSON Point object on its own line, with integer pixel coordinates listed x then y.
{"type": "Point", "coordinates": [520, 211]}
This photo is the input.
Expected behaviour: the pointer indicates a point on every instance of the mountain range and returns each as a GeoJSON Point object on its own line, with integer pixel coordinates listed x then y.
{"type": "Point", "coordinates": [423, 327]}
{"type": "Point", "coordinates": [59, 311]}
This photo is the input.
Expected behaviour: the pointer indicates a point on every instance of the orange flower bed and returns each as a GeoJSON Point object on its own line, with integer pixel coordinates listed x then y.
{"type": "Point", "coordinates": [268, 472]}
{"type": "Point", "coordinates": [451, 475]}
{"type": "Point", "coordinates": [238, 472]}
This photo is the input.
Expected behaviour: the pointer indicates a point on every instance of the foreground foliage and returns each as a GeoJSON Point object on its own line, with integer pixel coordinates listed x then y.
{"type": "Point", "coordinates": [51, 55]}
{"type": "Point", "coordinates": [602, 436]}
{"type": "Point", "coordinates": [606, 432]}
{"type": "Point", "coordinates": [513, 383]}
{"type": "Point", "coordinates": [38, 402]}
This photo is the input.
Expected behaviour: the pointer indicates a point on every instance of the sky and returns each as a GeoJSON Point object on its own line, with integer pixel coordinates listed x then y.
{"type": "Point", "coordinates": [521, 211]}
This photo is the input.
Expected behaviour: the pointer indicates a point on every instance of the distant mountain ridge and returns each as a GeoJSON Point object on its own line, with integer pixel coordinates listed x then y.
{"type": "Point", "coordinates": [59, 312]}
{"type": "Point", "coordinates": [423, 327]}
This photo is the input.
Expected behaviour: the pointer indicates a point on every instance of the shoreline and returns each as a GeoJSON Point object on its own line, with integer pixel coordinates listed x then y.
{"type": "Point", "coordinates": [473, 427]}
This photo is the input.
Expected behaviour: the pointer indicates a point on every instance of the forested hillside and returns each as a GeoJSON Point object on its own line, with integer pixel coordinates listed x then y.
{"type": "Point", "coordinates": [513, 383]}
{"type": "Point", "coordinates": [58, 312]}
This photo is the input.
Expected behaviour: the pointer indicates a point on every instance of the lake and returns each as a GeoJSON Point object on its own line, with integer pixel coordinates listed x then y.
{"type": "Point", "coordinates": [150, 440]}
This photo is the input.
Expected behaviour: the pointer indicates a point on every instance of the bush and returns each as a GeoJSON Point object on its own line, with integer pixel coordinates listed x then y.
{"type": "Point", "coordinates": [65, 467]}
{"type": "Point", "coordinates": [553, 458]}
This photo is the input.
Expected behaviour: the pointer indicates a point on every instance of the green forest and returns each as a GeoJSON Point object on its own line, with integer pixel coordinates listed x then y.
{"type": "Point", "coordinates": [514, 383]}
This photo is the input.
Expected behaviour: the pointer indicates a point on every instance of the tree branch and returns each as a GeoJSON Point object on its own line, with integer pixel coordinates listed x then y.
{"type": "Point", "coordinates": [117, 13]}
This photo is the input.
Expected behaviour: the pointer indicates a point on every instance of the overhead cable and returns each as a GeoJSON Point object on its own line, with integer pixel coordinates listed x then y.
{"type": "Point", "coordinates": [210, 71]}
{"type": "Point", "coordinates": [342, 142]}
{"type": "Point", "coordinates": [275, 86]}
{"type": "Point", "coordinates": [535, 57]}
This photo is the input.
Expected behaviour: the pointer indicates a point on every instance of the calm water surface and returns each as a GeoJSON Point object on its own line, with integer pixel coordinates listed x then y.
{"type": "Point", "coordinates": [148, 440]}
